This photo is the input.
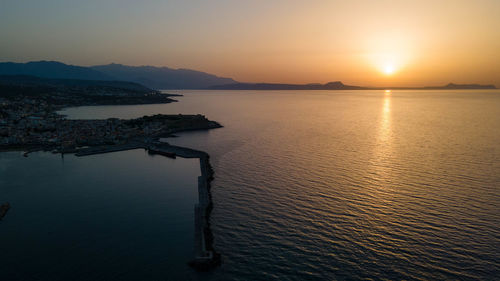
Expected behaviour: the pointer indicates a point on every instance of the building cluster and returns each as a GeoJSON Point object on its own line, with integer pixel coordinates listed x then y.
{"type": "Point", "coordinates": [33, 122]}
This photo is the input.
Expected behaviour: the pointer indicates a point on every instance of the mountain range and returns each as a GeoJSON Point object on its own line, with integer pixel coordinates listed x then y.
{"type": "Point", "coordinates": [169, 78]}
{"type": "Point", "coordinates": [149, 76]}
{"type": "Point", "coordinates": [162, 77]}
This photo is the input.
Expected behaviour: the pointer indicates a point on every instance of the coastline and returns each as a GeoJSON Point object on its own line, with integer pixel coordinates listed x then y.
{"type": "Point", "coordinates": [31, 123]}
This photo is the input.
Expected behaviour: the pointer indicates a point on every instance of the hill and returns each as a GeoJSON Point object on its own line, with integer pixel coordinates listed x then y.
{"type": "Point", "coordinates": [452, 86]}
{"type": "Point", "coordinates": [73, 92]}
{"type": "Point", "coordinates": [51, 69]}
{"type": "Point", "coordinates": [163, 77]}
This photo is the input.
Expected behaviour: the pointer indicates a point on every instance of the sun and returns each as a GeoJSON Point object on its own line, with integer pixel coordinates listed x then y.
{"type": "Point", "coordinates": [387, 64]}
{"type": "Point", "coordinates": [389, 69]}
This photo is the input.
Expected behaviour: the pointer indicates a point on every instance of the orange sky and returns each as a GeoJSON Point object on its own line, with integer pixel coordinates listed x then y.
{"type": "Point", "coordinates": [421, 42]}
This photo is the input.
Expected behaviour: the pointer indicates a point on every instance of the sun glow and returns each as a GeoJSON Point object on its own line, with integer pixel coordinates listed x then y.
{"type": "Point", "coordinates": [389, 52]}
{"type": "Point", "coordinates": [389, 69]}
{"type": "Point", "coordinates": [388, 64]}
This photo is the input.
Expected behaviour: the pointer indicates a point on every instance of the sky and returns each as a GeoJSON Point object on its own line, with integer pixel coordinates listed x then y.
{"type": "Point", "coordinates": [358, 42]}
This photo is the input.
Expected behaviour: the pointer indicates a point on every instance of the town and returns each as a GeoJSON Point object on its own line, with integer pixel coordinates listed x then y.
{"type": "Point", "coordinates": [30, 121]}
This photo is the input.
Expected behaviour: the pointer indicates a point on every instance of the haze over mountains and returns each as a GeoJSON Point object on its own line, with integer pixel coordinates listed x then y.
{"type": "Point", "coordinates": [168, 78]}
{"type": "Point", "coordinates": [162, 77]}
{"type": "Point", "coordinates": [52, 69]}
{"type": "Point", "coordinates": [150, 76]}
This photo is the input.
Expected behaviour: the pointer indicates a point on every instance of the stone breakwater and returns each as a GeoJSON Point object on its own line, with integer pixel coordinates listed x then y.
{"type": "Point", "coordinates": [205, 255]}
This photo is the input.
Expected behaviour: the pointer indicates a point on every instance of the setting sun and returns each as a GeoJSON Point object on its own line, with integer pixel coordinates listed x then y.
{"type": "Point", "coordinates": [387, 60]}
{"type": "Point", "coordinates": [389, 69]}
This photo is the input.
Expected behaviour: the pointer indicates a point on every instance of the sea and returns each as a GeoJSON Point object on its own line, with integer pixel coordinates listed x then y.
{"type": "Point", "coordinates": [309, 185]}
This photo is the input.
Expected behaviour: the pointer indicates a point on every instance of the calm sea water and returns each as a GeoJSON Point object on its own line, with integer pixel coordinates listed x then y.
{"type": "Point", "coordinates": [326, 185]}
{"type": "Point", "coordinates": [116, 216]}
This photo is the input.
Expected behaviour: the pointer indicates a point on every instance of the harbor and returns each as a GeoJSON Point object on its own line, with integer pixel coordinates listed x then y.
{"type": "Point", "coordinates": [205, 255]}
{"type": "Point", "coordinates": [31, 124]}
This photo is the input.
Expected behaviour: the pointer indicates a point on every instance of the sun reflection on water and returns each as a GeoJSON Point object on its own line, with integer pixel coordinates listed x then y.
{"type": "Point", "coordinates": [382, 148]}
{"type": "Point", "coordinates": [385, 123]}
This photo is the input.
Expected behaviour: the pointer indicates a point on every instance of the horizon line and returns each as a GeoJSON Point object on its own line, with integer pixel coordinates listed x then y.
{"type": "Point", "coordinates": [253, 83]}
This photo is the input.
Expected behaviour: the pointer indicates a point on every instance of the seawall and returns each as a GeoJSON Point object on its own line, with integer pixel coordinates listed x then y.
{"type": "Point", "coordinates": [205, 255]}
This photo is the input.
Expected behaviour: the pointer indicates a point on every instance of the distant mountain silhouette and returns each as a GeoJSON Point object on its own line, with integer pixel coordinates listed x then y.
{"type": "Point", "coordinates": [153, 77]}
{"type": "Point", "coordinates": [163, 77]}
{"type": "Point", "coordinates": [337, 86]}
{"type": "Point", "coordinates": [467, 86]}
{"type": "Point", "coordinates": [29, 81]}
{"type": "Point", "coordinates": [168, 78]}
{"type": "Point", "coordinates": [273, 86]}
{"type": "Point", "coordinates": [74, 92]}
{"type": "Point", "coordinates": [51, 69]}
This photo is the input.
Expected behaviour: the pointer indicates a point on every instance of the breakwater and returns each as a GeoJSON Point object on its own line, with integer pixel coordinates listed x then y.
{"type": "Point", "coordinates": [109, 148]}
{"type": "Point", "coordinates": [205, 255]}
